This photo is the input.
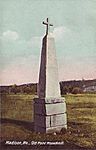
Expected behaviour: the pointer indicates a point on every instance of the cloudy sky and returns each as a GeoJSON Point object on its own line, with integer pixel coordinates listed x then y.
{"type": "Point", "coordinates": [21, 33]}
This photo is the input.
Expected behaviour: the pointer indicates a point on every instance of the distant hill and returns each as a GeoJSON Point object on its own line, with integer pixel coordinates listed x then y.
{"type": "Point", "coordinates": [73, 86]}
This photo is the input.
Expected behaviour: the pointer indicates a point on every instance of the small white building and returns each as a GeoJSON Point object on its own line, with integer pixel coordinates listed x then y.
{"type": "Point", "coordinates": [91, 88]}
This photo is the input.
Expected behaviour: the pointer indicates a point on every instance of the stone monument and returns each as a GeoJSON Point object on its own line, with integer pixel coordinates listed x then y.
{"type": "Point", "coordinates": [49, 107]}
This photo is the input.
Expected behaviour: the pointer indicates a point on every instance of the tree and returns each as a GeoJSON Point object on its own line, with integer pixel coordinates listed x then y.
{"type": "Point", "coordinates": [26, 89]}
{"type": "Point", "coordinates": [70, 88]}
{"type": "Point", "coordinates": [64, 90]}
{"type": "Point", "coordinates": [76, 90]}
{"type": "Point", "coordinates": [15, 89]}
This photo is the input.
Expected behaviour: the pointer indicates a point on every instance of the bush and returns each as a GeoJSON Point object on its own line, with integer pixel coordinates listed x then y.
{"type": "Point", "coordinates": [76, 90]}
{"type": "Point", "coordinates": [64, 90]}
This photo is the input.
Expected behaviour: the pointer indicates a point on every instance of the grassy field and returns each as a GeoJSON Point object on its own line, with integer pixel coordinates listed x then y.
{"type": "Point", "coordinates": [17, 120]}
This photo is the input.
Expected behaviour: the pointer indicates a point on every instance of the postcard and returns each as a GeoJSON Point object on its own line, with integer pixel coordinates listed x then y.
{"type": "Point", "coordinates": [48, 74]}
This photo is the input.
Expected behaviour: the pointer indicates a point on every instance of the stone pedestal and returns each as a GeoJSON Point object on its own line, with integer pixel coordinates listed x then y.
{"type": "Point", "coordinates": [49, 115]}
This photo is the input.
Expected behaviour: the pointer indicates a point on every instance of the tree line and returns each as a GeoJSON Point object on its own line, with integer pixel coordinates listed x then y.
{"type": "Point", "coordinates": [19, 89]}
{"type": "Point", "coordinates": [74, 87]}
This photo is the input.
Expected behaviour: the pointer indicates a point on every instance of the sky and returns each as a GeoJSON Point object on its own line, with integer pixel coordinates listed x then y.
{"type": "Point", "coordinates": [21, 32]}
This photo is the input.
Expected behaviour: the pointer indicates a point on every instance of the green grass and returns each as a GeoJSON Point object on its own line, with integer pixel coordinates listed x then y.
{"type": "Point", "coordinates": [19, 107]}
{"type": "Point", "coordinates": [81, 112]}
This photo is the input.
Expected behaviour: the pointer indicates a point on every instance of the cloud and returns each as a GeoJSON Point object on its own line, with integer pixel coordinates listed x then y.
{"type": "Point", "coordinates": [23, 70]}
{"type": "Point", "coordinates": [59, 32]}
{"type": "Point", "coordinates": [10, 35]}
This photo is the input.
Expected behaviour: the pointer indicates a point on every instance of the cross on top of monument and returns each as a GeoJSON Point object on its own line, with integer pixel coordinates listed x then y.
{"type": "Point", "coordinates": [47, 25]}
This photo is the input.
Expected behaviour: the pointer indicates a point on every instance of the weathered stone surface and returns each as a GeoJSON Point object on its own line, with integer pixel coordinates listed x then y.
{"type": "Point", "coordinates": [48, 77]}
{"type": "Point", "coordinates": [42, 121]}
{"type": "Point", "coordinates": [52, 81]}
{"type": "Point", "coordinates": [51, 100]}
{"type": "Point", "coordinates": [56, 108]}
{"type": "Point", "coordinates": [50, 129]}
{"type": "Point", "coordinates": [58, 119]}
{"type": "Point", "coordinates": [39, 108]}
{"type": "Point", "coordinates": [40, 129]}
{"type": "Point", "coordinates": [49, 108]}
{"type": "Point", "coordinates": [47, 115]}
{"type": "Point", "coordinates": [55, 129]}
{"type": "Point", "coordinates": [41, 89]}
{"type": "Point", "coordinates": [52, 121]}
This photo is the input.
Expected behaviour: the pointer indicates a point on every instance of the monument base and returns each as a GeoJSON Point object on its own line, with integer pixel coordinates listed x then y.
{"type": "Point", "coordinates": [49, 115]}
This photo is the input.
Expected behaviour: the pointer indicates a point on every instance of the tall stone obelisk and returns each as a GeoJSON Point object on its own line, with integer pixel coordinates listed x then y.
{"type": "Point", "coordinates": [49, 107]}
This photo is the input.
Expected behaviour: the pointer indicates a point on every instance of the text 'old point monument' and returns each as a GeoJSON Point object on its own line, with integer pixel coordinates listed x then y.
{"type": "Point", "coordinates": [49, 107]}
